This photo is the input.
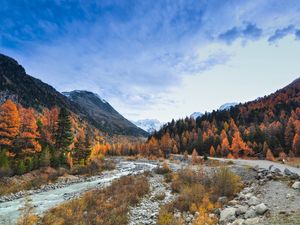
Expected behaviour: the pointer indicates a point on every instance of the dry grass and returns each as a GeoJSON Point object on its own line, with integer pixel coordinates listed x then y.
{"type": "Point", "coordinates": [109, 206]}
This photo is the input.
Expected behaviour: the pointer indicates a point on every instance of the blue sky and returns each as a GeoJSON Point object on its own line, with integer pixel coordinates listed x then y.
{"type": "Point", "coordinates": [157, 59]}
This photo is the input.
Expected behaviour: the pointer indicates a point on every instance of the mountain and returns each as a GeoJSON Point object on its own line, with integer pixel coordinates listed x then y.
{"type": "Point", "coordinates": [15, 84]}
{"type": "Point", "coordinates": [195, 115]}
{"type": "Point", "coordinates": [267, 126]}
{"type": "Point", "coordinates": [227, 106]}
{"type": "Point", "coordinates": [149, 125]}
{"type": "Point", "coordinates": [103, 114]}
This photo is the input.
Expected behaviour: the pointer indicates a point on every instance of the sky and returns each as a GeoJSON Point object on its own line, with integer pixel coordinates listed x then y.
{"type": "Point", "coordinates": [158, 59]}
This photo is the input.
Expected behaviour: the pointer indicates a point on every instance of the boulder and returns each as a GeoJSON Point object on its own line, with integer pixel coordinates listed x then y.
{"type": "Point", "coordinates": [261, 209]}
{"type": "Point", "coordinates": [241, 210]}
{"type": "Point", "coordinates": [253, 201]}
{"type": "Point", "coordinates": [228, 215]}
{"type": "Point", "coordinates": [294, 176]}
{"type": "Point", "coordinates": [296, 185]}
{"type": "Point", "coordinates": [250, 213]}
{"type": "Point", "coordinates": [287, 172]}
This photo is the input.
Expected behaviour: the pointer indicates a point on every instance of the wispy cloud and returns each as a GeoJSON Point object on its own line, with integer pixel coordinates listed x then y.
{"type": "Point", "coordinates": [281, 33]}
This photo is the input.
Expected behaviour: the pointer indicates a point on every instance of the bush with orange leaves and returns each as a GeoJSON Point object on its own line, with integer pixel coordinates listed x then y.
{"type": "Point", "coordinates": [205, 208]}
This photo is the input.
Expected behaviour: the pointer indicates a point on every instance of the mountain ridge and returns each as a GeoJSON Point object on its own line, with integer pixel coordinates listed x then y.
{"type": "Point", "coordinates": [17, 85]}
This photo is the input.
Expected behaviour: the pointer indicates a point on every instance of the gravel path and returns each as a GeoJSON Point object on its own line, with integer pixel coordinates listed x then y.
{"type": "Point", "coordinates": [283, 202]}
{"type": "Point", "coordinates": [261, 164]}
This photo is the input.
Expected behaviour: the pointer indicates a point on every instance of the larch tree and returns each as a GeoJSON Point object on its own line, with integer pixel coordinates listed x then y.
{"type": "Point", "coordinates": [212, 151]}
{"type": "Point", "coordinates": [9, 123]}
{"type": "Point", "coordinates": [194, 156]}
{"type": "Point", "coordinates": [296, 144]}
{"type": "Point", "coordinates": [27, 140]}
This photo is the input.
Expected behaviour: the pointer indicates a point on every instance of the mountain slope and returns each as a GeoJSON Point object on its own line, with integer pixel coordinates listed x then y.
{"type": "Point", "coordinates": [103, 114]}
{"type": "Point", "coordinates": [267, 126]}
{"type": "Point", "coordinates": [31, 92]}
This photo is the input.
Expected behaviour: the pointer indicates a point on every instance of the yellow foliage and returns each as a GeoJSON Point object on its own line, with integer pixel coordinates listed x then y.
{"type": "Point", "coordinates": [205, 208]}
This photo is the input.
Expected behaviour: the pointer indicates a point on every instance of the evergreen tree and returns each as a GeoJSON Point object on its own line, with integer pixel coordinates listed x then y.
{"type": "Point", "coordinates": [64, 135]}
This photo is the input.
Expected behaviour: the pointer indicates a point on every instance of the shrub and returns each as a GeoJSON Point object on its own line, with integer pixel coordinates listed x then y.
{"type": "Point", "coordinates": [226, 183]}
{"type": "Point", "coordinates": [21, 168]}
{"type": "Point", "coordinates": [188, 196]}
{"type": "Point", "coordinates": [164, 169]}
{"type": "Point", "coordinates": [166, 217]}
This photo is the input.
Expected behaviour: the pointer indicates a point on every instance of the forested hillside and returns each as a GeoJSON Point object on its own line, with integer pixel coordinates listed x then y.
{"type": "Point", "coordinates": [266, 127]}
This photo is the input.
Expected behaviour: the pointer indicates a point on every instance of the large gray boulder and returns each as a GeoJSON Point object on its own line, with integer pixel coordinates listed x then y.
{"type": "Point", "coordinates": [250, 213]}
{"type": "Point", "coordinates": [253, 201]}
{"type": "Point", "coordinates": [261, 209]}
{"type": "Point", "coordinates": [227, 215]}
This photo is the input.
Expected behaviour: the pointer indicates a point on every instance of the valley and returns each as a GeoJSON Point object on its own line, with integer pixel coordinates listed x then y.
{"type": "Point", "coordinates": [260, 178]}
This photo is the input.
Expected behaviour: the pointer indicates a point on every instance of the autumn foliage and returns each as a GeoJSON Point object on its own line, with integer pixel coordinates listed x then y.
{"type": "Point", "coordinates": [240, 132]}
{"type": "Point", "coordinates": [53, 137]}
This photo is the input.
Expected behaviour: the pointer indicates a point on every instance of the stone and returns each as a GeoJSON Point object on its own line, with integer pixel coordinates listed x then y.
{"type": "Point", "coordinates": [238, 222]}
{"type": "Point", "coordinates": [252, 221]}
{"type": "Point", "coordinates": [287, 172]}
{"type": "Point", "coordinates": [270, 167]}
{"type": "Point", "coordinates": [276, 170]}
{"type": "Point", "coordinates": [250, 214]}
{"type": "Point", "coordinates": [253, 201]}
{"type": "Point", "coordinates": [294, 176]}
{"type": "Point", "coordinates": [241, 210]}
{"type": "Point", "coordinates": [228, 215]}
{"type": "Point", "coordinates": [233, 202]}
{"type": "Point", "coordinates": [296, 185]}
{"type": "Point", "coordinates": [261, 209]}
{"type": "Point", "coordinates": [223, 200]}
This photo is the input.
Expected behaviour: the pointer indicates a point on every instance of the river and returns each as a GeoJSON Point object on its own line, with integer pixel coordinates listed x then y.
{"type": "Point", "coordinates": [9, 211]}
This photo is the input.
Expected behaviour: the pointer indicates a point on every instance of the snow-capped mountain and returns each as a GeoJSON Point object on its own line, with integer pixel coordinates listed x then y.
{"type": "Point", "coordinates": [227, 106]}
{"type": "Point", "coordinates": [195, 115]}
{"type": "Point", "coordinates": [149, 125]}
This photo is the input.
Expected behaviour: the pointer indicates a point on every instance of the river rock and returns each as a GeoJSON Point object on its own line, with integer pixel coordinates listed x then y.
{"type": "Point", "coordinates": [250, 213]}
{"type": "Point", "coordinates": [238, 222]}
{"type": "Point", "coordinates": [252, 221]}
{"type": "Point", "coordinates": [287, 172]}
{"type": "Point", "coordinates": [261, 209]}
{"type": "Point", "coordinates": [253, 201]}
{"type": "Point", "coordinates": [228, 215]}
{"type": "Point", "coordinates": [294, 176]}
{"type": "Point", "coordinates": [241, 210]}
{"type": "Point", "coordinates": [296, 185]}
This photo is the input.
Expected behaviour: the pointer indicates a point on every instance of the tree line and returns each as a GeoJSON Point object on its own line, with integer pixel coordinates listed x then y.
{"type": "Point", "coordinates": [54, 137]}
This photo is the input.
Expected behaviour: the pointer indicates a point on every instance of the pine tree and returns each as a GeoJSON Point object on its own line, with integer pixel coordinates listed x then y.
{"type": "Point", "coordinates": [9, 124]}
{"type": "Point", "coordinates": [64, 134]}
{"type": "Point", "coordinates": [79, 148]}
